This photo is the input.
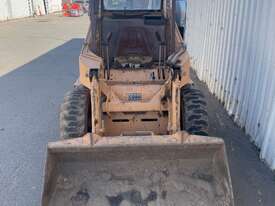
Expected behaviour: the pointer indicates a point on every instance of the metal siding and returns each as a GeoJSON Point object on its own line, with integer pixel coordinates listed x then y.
{"type": "Point", "coordinates": [232, 44]}
{"type": "Point", "coordinates": [19, 8]}
{"type": "Point", "coordinates": [12, 9]}
{"type": "Point", "coordinates": [54, 5]}
{"type": "Point", "coordinates": [39, 7]}
{"type": "Point", "coordinates": [3, 10]}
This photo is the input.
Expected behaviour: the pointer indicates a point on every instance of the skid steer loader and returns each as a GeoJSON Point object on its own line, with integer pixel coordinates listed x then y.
{"type": "Point", "coordinates": [134, 130]}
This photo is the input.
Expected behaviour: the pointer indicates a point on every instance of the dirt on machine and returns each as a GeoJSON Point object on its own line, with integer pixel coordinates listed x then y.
{"type": "Point", "coordinates": [134, 129]}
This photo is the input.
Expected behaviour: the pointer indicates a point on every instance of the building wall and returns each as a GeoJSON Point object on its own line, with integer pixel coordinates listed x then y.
{"type": "Point", "coordinates": [39, 7]}
{"type": "Point", "coordinates": [54, 5]}
{"type": "Point", "coordinates": [232, 44]}
{"type": "Point", "coordinates": [12, 9]}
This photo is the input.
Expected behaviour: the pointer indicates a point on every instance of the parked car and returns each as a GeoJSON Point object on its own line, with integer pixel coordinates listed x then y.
{"type": "Point", "coordinates": [66, 9]}
{"type": "Point", "coordinates": [75, 8]}
{"type": "Point", "coordinates": [84, 4]}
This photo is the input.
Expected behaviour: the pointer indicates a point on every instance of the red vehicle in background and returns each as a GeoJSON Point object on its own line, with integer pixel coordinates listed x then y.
{"type": "Point", "coordinates": [66, 9]}
{"type": "Point", "coordinates": [75, 8]}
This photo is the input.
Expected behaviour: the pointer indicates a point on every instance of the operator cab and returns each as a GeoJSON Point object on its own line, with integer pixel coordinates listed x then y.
{"type": "Point", "coordinates": [133, 33]}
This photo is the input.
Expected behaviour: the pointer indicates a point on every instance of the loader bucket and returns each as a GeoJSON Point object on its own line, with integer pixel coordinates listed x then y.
{"type": "Point", "coordinates": [138, 171]}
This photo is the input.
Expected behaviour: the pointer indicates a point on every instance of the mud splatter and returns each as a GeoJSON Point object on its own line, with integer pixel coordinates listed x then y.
{"type": "Point", "coordinates": [163, 195]}
{"type": "Point", "coordinates": [134, 197]}
{"type": "Point", "coordinates": [81, 198]}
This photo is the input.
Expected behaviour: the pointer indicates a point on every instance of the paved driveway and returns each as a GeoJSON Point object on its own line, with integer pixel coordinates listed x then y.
{"type": "Point", "coordinates": [44, 53]}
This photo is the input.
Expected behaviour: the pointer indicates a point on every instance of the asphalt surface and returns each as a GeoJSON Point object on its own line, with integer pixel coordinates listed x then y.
{"type": "Point", "coordinates": [253, 182]}
{"type": "Point", "coordinates": [44, 54]}
{"type": "Point", "coordinates": [26, 39]}
{"type": "Point", "coordinates": [30, 96]}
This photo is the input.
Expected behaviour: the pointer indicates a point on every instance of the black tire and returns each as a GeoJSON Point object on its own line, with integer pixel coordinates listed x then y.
{"type": "Point", "coordinates": [75, 113]}
{"type": "Point", "coordinates": [194, 117]}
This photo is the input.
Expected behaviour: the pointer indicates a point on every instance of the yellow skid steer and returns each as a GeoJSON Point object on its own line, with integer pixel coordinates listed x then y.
{"type": "Point", "coordinates": [134, 130]}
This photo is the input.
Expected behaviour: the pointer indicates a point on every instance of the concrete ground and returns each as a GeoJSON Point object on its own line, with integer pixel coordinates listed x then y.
{"type": "Point", "coordinates": [38, 64]}
{"type": "Point", "coordinates": [24, 40]}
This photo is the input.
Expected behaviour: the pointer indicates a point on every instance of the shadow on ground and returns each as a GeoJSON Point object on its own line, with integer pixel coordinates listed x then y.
{"type": "Point", "coordinates": [29, 105]}
{"type": "Point", "coordinates": [253, 182]}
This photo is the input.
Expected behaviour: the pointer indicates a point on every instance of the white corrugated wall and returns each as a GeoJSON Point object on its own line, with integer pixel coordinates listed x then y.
{"type": "Point", "coordinates": [10, 9]}
{"type": "Point", "coordinates": [232, 44]}
{"type": "Point", "coordinates": [13, 9]}
{"type": "Point", "coordinates": [3, 10]}
{"type": "Point", "coordinates": [39, 8]}
{"type": "Point", "coordinates": [54, 5]}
